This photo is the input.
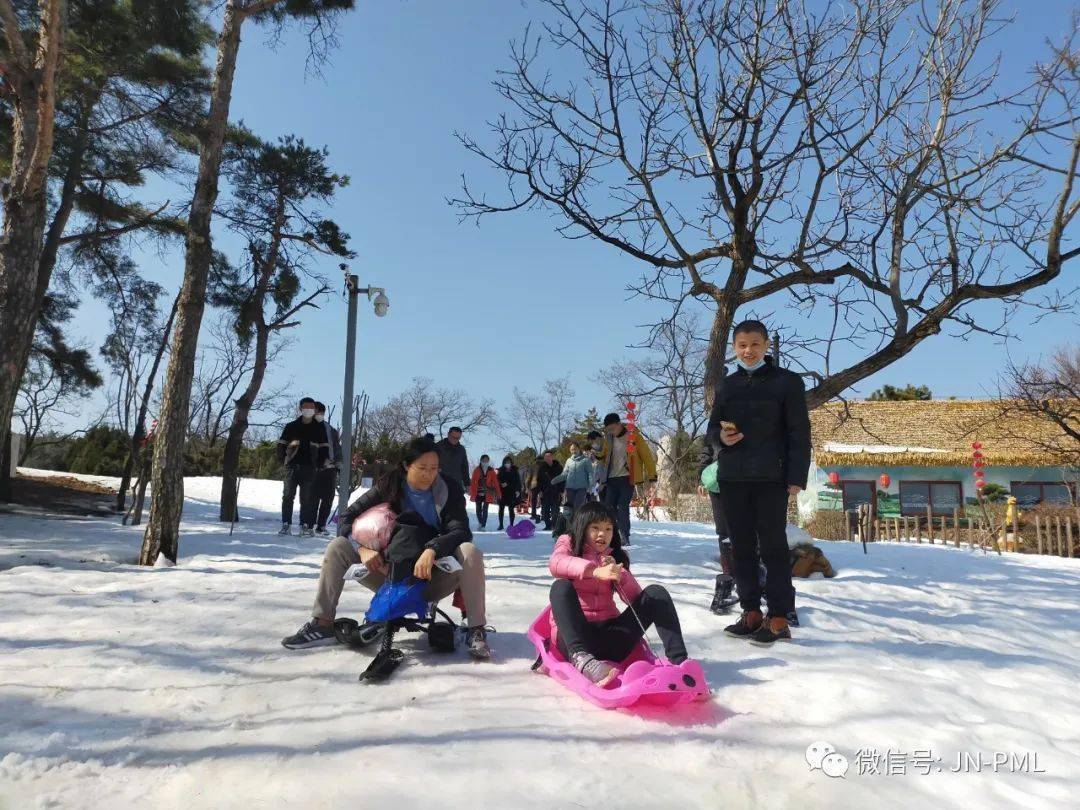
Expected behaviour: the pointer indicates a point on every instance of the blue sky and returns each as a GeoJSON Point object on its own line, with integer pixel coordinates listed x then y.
{"type": "Point", "coordinates": [505, 303]}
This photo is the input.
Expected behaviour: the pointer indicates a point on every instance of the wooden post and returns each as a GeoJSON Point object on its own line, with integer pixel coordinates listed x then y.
{"type": "Point", "coordinates": [1016, 530]}
{"type": "Point", "coordinates": [918, 529]}
{"type": "Point", "coordinates": [1038, 534]}
{"type": "Point", "coordinates": [1068, 536]}
{"type": "Point", "coordinates": [929, 525]}
{"type": "Point", "coordinates": [944, 533]}
{"type": "Point", "coordinates": [1060, 543]}
{"type": "Point", "coordinates": [971, 535]}
{"type": "Point", "coordinates": [847, 524]}
{"type": "Point", "coordinates": [956, 525]}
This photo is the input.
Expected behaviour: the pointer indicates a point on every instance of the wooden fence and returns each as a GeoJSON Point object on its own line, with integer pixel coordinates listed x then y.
{"type": "Point", "coordinates": [1056, 534]}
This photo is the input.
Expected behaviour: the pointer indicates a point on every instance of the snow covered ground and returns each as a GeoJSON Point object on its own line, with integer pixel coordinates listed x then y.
{"type": "Point", "coordinates": [167, 688]}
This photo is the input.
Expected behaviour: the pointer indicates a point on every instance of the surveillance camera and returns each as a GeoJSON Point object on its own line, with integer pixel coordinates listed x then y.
{"type": "Point", "coordinates": [382, 305]}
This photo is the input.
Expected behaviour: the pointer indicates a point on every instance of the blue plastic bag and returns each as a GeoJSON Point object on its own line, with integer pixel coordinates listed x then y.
{"type": "Point", "coordinates": [397, 599]}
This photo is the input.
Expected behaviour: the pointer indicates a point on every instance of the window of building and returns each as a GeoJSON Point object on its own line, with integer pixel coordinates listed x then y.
{"type": "Point", "coordinates": [1029, 493]}
{"type": "Point", "coordinates": [941, 496]}
{"type": "Point", "coordinates": [856, 493]}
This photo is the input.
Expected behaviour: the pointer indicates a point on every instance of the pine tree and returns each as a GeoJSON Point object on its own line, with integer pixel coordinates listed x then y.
{"type": "Point", "coordinates": [277, 190]}
{"type": "Point", "coordinates": [163, 525]}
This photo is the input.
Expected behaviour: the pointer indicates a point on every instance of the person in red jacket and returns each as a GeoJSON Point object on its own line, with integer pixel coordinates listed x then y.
{"type": "Point", "coordinates": [484, 489]}
{"type": "Point", "coordinates": [590, 567]}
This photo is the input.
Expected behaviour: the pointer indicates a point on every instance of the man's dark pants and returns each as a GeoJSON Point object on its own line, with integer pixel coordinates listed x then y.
{"type": "Point", "coordinates": [300, 477]}
{"type": "Point", "coordinates": [756, 515]}
{"type": "Point", "coordinates": [325, 489]}
{"type": "Point", "coordinates": [617, 494]}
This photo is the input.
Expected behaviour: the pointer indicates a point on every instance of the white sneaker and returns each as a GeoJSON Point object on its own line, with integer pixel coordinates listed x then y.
{"type": "Point", "coordinates": [285, 529]}
{"type": "Point", "coordinates": [306, 531]}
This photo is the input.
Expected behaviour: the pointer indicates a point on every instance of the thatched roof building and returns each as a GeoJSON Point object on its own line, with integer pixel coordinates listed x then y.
{"type": "Point", "coordinates": [934, 433]}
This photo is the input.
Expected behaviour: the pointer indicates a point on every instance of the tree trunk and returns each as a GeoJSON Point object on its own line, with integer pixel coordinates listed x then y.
{"type": "Point", "coordinates": [233, 444]}
{"type": "Point", "coordinates": [140, 488]}
{"type": "Point", "coordinates": [31, 81]}
{"type": "Point", "coordinates": [20, 247]}
{"type": "Point", "coordinates": [144, 406]}
{"type": "Point", "coordinates": [718, 343]}
{"type": "Point", "coordinates": [163, 525]}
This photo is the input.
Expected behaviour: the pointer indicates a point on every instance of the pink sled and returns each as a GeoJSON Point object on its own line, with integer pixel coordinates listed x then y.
{"type": "Point", "coordinates": [642, 678]}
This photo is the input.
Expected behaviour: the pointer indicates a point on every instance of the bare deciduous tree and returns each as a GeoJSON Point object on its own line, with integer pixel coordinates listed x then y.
{"type": "Point", "coordinates": [424, 408]}
{"type": "Point", "coordinates": [45, 395]}
{"type": "Point", "coordinates": [1049, 392]}
{"type": "Point", "coordinates": [667, 385]}
{"type": "Point", "coordinates": [222, 371]}
{"type": "Point", "coordinates": [541, 419]}
{"type": "Point", "coordinates": [864, 161]}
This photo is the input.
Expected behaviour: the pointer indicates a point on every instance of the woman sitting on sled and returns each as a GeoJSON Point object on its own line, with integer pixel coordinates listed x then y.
{"type": "Point", "coordinates": [590, 567]}
{"type": "Point", "coordinates": [416, 492]}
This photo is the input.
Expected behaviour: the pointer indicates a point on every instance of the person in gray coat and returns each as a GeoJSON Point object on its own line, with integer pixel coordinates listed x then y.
{"type": "Point", "coordinates": [577, 475]}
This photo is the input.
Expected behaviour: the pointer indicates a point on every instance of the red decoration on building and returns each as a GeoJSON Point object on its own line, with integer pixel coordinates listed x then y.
{"type": "Point", "coordinates": [834, 478]}
{"type": "Point", "coordinates": [884, 480]}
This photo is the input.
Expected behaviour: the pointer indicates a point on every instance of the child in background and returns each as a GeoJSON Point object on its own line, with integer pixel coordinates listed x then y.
{"type": "Point", "coordinates": [590, 567]}
{"type": "Point", "coordinates": [577, 474]}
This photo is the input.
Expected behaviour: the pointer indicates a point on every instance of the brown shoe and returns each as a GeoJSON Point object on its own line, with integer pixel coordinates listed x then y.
{"type": "Point", "coordinates": [748, 623]}
{"type": "Point", "coordinates": [775, 628]}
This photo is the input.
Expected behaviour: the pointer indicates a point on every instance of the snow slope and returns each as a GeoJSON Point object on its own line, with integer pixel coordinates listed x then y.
{"type": "Point", "coordinates": [167, 688]}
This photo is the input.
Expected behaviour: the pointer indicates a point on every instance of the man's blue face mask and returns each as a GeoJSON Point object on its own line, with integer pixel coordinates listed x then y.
{"type": "Point", "coordinates": [745, 367]}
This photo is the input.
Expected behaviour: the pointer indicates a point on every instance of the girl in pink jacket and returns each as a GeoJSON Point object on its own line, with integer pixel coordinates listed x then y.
{"type": "Point", "coordinates": [590, 567]}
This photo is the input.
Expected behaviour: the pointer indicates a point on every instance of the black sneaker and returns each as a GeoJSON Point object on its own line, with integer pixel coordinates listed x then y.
{"type": "Point", "coordinates": [793, 619]}
{"type": "Point", "coordinates": [748, 624]}
{"type": "Point", "coordinates": [311, 634]}
{"type": "Point", "coordinates": [476, 641]}
{"type": "Point", "coordinates": [723, 597]}
{"type": "Point", "coordinates": [774, 628]}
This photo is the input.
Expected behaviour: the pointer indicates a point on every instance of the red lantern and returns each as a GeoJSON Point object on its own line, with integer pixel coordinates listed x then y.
{"type": "Point", "coordinates": [976, 445]}
{"type": "Point", "coordinates": [884, 480]}
{"type": "Point", "coordinates": [834, 478]}
{"type": "Point", "coordinates": [630, 406]}
{"type": "Point", "coordinates": [979, 484]}
{"type": "Point", "coordinates": [979, 464]}
{"type": "Point", "coordinates": [980, 474]}
{"type": "Point", "coordinates": [977, 454]}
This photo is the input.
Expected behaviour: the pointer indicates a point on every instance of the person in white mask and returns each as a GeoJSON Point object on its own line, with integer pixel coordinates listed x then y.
{"type": "Point", "coordinates": [759, 431]}
{"type": "Point", "coordinates": [298, 452]}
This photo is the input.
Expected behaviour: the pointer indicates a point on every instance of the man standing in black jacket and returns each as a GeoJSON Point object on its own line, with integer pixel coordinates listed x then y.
{"type": "Point", "coordinates": [453, 460]}
{"type": "Point", "coordinates": [298, 451]}
{"type": "Point", "coordinates": [760, 428]}
{"type": "Point", "coordinates": [547, 469]}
